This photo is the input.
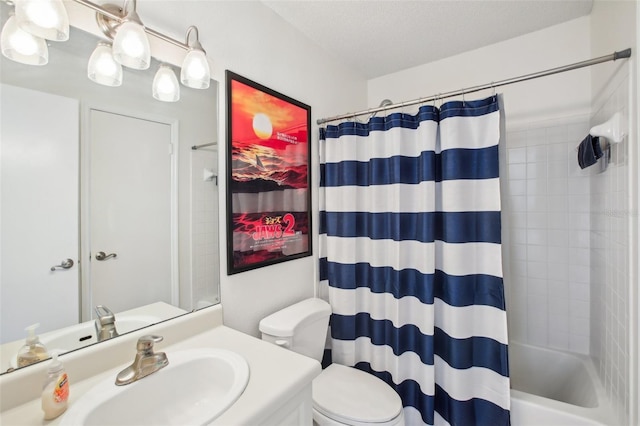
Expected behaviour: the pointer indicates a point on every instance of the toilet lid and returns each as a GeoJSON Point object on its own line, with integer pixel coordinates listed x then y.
{"type": "Point", "coordinates": [351, 396]}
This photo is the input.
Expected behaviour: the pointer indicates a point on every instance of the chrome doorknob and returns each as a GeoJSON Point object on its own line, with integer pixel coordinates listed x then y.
{"type": "Point", "coordinates": [103, 256]}
{"type": "Point", "coordinates": [65, 264]}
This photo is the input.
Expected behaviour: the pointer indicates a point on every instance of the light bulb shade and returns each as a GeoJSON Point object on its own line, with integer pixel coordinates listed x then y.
{"type": "Point", "coordinates": [195, 71]}
{"type": "Point", "coordinates": [43, 18]}
{"type": "Point", "coordinates": [21, 46]}
{"type": "Point", "coordinates": [131, 46]}
{"type": "Point", "coordinates": [102, 68]}
{"type": "Point", "coordinates": [165, 85]}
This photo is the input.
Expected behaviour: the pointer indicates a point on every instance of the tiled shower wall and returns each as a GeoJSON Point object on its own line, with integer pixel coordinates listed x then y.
{"type": "Point", "coordinates": [611, 217]}
{"type": "Point", "coordinates": [546, 214]}
{"type": "Point", "coordinates": [568, 242]}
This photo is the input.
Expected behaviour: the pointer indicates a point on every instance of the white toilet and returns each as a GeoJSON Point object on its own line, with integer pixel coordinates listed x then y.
{"type": "Point", "coordinates": [341, 395]}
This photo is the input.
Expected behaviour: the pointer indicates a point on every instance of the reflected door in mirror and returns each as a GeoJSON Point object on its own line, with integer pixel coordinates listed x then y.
{"type": "Point", "coordinates": [130, 211]}
{"type": "Point", "coordinates": [39, 198]}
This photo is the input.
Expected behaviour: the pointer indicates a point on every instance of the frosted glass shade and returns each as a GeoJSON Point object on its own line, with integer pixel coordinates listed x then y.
{"type": "Point", "coordinates": [131, 46]}
{"type": "Point", "coordinates": [21, 46]}
{"type": "Point", "coordinates": [195, 71]}
{"type": "Point", "coordinates": [43, 18]}
{"type": "Point", "coordinates": [102, 68]}
{"type": "Point", "coordinates": [165, 85]}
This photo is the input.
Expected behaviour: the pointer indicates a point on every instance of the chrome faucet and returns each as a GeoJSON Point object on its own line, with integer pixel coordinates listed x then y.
{"type": "Point", "coordinates": [105, 323]}
{"type": "Point", "coordinates": [146, 362]}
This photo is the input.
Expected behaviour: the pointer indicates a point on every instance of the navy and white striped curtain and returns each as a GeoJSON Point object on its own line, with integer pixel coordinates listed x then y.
{"type": "Point", "coordinates": [411, 261]}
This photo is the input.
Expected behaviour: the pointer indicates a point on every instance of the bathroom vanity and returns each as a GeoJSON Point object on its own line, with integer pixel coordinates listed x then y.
{"type": "Point", "coordinates": [278, 390]}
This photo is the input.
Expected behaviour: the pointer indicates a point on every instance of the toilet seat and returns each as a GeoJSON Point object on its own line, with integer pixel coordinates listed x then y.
{"type": "Point", "coordinates": [353, 397]}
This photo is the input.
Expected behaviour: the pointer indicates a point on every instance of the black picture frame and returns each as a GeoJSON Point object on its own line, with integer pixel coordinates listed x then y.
{"type": "Point", "coordinates": [268, 176]}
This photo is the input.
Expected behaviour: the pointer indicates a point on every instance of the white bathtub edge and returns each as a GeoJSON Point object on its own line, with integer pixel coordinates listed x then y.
{"type": "Point", "coordinates": [533, 410]}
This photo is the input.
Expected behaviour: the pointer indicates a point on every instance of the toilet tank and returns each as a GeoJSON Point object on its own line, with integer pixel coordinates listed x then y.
{"type": "Point", "coordinates": [301, 328]}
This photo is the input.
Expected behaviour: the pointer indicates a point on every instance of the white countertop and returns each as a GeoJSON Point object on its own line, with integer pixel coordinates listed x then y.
{"type": "Point", "coordinates": [276, 374]}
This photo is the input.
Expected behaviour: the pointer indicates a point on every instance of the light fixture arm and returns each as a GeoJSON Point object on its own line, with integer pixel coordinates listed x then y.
{"type": "Point", "coordinates": [109, 14]}
{"type": "Point", "coordinates": [126, 2]}
{"type": "Point", "coordinates": [133, 14]}
{"type": "Point", "coordinates": [196, 44]}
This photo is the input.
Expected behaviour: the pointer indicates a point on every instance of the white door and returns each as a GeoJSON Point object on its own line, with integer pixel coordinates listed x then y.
{"type": "Point", "coordinates": [130, 211]}
{"type": "Point", "coordinates": [39, 211]}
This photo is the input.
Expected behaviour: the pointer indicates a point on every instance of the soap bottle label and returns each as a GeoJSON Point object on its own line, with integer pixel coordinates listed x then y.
{"type": "Point", "coordinates": [61, 390]}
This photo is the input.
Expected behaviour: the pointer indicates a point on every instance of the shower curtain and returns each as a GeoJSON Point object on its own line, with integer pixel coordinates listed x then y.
{"type": "Point", "coordinates": [410, 258]}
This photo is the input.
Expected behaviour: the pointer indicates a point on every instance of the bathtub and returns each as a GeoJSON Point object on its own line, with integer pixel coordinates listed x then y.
{"type": "Point", "coordinates": [554, 388]}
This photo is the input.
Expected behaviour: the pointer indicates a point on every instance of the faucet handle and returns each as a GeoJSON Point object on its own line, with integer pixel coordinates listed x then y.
{"type": "Point", "coordinates": [145, 343]}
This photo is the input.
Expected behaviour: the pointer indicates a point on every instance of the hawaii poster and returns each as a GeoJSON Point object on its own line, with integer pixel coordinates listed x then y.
{"type": "Point", "coordinates": [268, 176]}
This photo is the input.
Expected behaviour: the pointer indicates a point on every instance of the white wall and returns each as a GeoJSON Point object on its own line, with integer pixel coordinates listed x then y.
{"type": "Point", "coordinates": [533, 101]}
{"type": "Point", "coordinates": [614, 213]}
{"type": "Point", "coordinates": [255, 42]}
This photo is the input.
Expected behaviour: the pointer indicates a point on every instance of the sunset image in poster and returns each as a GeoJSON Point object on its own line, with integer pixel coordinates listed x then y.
{"type": "Point", "coordinates": [270, 149]}
{"type": "Point", "coordinates": [269, 186]}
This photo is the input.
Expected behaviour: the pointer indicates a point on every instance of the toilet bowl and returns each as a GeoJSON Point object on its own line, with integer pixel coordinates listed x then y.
{"type": "Point", "coordinates": [341, 395]}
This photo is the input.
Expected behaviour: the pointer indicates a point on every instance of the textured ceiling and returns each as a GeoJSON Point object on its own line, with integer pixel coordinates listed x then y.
{"type": "Point", "coordinates": [378, 37]}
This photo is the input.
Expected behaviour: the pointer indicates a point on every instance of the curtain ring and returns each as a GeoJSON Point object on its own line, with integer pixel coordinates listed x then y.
{"type": "Point", "coordinates": [385, 104]}
{"type": "Point", "coordinates": [493, 86]}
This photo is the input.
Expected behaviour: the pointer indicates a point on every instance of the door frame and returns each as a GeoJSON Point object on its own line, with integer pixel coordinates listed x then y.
{"type": "Point", "coordinates": [86, 302]}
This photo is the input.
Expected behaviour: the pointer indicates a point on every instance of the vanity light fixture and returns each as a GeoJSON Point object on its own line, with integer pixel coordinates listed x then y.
{"type": "Point", "coordinates": [21, 46]}
{"type": "Point", "coordinates": [131, 44]}
{"type": "Point", "coordinates": [103, 68]}
{"type": "Point", "coordinates": [195, 71]}
{"type": "Point", "coordinates": [35, 20]}
{"type": "Point", "coordinates": [165, 85]}
{"type": "Point", "coordinates": [43, 18]}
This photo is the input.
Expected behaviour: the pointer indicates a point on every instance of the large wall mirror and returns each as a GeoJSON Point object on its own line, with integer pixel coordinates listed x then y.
{"type": "Point", "coordinates": [106, 207]}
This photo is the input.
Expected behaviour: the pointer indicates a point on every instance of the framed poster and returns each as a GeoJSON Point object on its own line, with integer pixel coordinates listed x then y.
{"type": "Point", "coordinates": [268, 176]}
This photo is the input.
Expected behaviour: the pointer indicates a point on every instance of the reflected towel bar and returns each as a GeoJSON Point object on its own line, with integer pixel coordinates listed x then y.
{"type": "Point", "coordinates": [194, 147]}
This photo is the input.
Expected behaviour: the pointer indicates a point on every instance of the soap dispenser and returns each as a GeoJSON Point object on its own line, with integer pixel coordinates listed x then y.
{"type": "Point", "coordinates": [32, 351]}
{"type": "Point", "coordinates": [55, 390]}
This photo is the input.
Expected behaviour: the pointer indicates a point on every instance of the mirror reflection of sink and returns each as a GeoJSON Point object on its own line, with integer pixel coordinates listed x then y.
{"type": "Point", "coordinates": [81, 335]}
{"type": "Point", "coordinates": [85, 334]}
{"type": "Point", "coordinates": [197, 386]}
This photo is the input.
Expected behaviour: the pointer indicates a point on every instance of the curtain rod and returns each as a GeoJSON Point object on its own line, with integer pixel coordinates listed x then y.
{"type": "Point", "coordinates": [612, 57]}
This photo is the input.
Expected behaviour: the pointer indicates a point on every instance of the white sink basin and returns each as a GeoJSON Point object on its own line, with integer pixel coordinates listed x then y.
{"type": "Point", "coordinates": [196, 387]}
